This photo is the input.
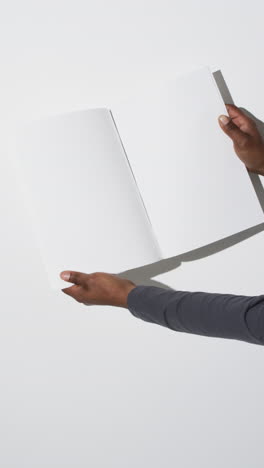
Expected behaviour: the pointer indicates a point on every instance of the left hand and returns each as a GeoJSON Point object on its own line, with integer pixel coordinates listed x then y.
{"type": "Point", "coordinates": [97, 288]}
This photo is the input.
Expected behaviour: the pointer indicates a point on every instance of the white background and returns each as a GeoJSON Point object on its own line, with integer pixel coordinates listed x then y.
{"type": "Point", "coordinates": [83, 386]}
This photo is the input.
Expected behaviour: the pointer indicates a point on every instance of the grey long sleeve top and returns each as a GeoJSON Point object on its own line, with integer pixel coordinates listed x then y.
{"type": "Point", "coordinates": [209, 314]}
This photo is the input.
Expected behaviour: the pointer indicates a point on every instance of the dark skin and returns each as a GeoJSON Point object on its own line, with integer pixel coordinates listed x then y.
{"type": "Point", "coordinates": [98, 288]}
{"type": "Point", "coordinates": [108, 289]}
{"type": "Point", "coordinates": [247, 141]}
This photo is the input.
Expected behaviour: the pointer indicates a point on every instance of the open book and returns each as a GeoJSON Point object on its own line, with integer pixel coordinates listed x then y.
{"type": "Point", "coordinates": [150, 179]}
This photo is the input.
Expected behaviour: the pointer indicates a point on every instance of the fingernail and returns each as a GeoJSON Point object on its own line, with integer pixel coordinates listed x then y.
{"type": "Point", "coordinates": [224, 119]}
{"type": "Point", "coordinates": [65, 275]}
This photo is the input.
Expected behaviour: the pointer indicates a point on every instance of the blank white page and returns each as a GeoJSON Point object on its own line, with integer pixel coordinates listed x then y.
{"type": "Point", "coordinates": [194, 187]}
{"type": "Point", "coordinates": [86, 211]}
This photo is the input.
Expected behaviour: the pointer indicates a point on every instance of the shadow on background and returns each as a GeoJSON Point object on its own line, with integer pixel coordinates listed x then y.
{"type": "Point", "coordinates": [144, 275]}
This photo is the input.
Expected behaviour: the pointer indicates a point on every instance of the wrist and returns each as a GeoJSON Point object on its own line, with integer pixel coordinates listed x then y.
{"type": "Point", "coordinates": [124, 298]}
{"type": "Point", "coordinates": [257, 169]}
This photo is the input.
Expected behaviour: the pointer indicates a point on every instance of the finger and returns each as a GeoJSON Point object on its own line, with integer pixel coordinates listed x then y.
{"type": "Point", "coordinates": [241, 120]}
{"type": "Point", "coordinates": [231, 129]}
{"type": "Point", "coordinates": [74, 291]}
{"type": "Point", "coordinates": [74, 277]}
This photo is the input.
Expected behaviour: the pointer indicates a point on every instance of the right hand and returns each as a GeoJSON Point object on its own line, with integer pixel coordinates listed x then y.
{"type": "Point", "coordinates": [247, 141]}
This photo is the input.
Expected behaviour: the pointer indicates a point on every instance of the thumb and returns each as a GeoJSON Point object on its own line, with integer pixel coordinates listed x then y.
{"type": "Point", "coordinates": [232, 130]}
{"type": "Point", "coordinates": [75, 277]}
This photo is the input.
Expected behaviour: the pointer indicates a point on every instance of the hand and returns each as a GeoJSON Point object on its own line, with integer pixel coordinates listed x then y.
{"type": "Point", "coordinates": [248, 143]}
{"type": "Point", "coordinates": [97, 288]}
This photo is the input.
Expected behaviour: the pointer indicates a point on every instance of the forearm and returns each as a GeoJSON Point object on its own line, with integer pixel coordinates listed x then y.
{"type": "Point", "coordinates": [208, 314]}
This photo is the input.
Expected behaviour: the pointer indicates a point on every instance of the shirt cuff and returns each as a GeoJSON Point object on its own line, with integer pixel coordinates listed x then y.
{"type": "Point", "coordinates": [149, 302]}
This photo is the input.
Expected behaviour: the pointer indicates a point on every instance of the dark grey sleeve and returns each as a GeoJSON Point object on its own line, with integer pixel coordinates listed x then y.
{"type": "Point", "coordinates": [200, 313]}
